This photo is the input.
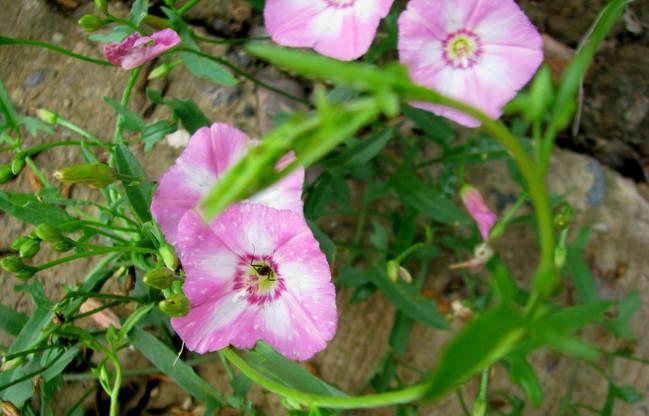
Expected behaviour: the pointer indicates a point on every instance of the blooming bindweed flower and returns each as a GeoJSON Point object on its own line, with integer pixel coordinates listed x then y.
{"type": "Point", "coordinates": [210, 153]}
{"type": "Point", "coordinates": [255, 273]}
{"type": "Point", "coordinates": [478, 51]}
{"type": "Point", "coordinates": [341, 29]}
{"type": "Point", "coordinates": [136, 49]}
{"type": "Point", "coordinates": [478, 209]}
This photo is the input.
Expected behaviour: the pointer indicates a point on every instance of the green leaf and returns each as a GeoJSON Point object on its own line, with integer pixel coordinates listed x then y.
{"type": "Point", "coordinates": [131, 121]}
{"type": "Point", "coordinates": [155, 132]}
{"type": "Point", "coordinates": [27, 208]}
{"type": "Point", "coordinates": [60, 365]}
{"type": "Point", "coordinates": [379, 237]}
{"type": "Point", "coordinates": [164, 358]}
{"type": "Point", "coordinates": [7, 109]}
{"type": "Point", "coordinates": [523, 374]}
{"type": "Point", "coordinates": [628, 394]}
{"type": "Point", "coordinates": [583, 279]}
{"type": "Point", "coordinates": [118, 34]}
{"type": "Point", "coordinates": [186, 110]}
{"type": "Point", "coordinates": [407, 298]}
{"type": "Point", "coordinates": [282, 370]}
{"type": "Point", "coordinates": [481, 343]}
{"type": "Point", "coordinates": [436, 128]}
{"type": "Point", "coordinates": [138, 11]}
{"type": "Point", "coordinates": [34, 125]}
{"type": "Point", "coordinates": [428, 201]}
{"type": "Point", "coordinates": [326, 245]}
{"type": "Point", "coordinates": [140, 192]}
{"type": "Point", "coordinates": [627, 307]}
{"type": "Point", "coordinates": [11, 321]}
{"type": "Point", "coordinates": [207, 69]}
{"type": "Point", "coordinates": [362, 151]}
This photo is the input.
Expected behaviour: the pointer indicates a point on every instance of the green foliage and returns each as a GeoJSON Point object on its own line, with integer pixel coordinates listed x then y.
{"type": "Point", "coordinates": [138, 190]}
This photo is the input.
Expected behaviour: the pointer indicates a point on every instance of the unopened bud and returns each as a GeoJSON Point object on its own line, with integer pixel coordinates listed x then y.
{"type": "Point", "coordinates": [393, 271]}
{"type": "Point", "coordinates": [478, 209]}
{"type": "Point", "coordinates": [47, 116]}
{"type": "Point", "coordinates": [18, 164]}
{"type": "Point", "coordinates": [29, 248]}
{"type": "Point", "coordinates": [26, 274]}
{"type": "Point", "coordinates": [13, 264]}
{"type": "Point", "coordinates": [160, 278]}
{"type": "Point", "coordinates": [49, 233]}
{"type": "Point", "coordinates": [102, 6]}
{"type": "Point", "coordinates": [63, 245]}
{"type": "Point", "coordinates": [9, 409]}
{"type": "Point", "coordinates": [405, 275]}
{"type": "Point", "coordinates": [6, 174]}
{"type": "Point", "coordinates": [94, 174]}
{"type": "Point", "coordinates": [90, 23]}
{"type": "Point", "coordinates": [168, 256]}
{"type": "Point", "coordinates": [563, 216]}
{"type": "Point", "coordinates": [176, 305]}
{"type": "Point", "coordinates": [19, 242]}
{"type": "Point", "coordinates": [164, 69]}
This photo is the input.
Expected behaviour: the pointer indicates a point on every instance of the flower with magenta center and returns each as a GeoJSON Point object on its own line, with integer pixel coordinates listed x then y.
{"type": "Point", "coordinates": [210, 153]}
{"type": "Point", "coordinates": [136, 49]}
{"type": "Point", "coordinates": [477, 51]}
{"type": "Point", "coordinates": [341, 29]}
{"type": "Point", "coordinates": [255, 273]}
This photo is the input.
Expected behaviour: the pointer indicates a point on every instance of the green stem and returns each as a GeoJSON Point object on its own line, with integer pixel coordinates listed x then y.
{"type": "Point", "coordinates": [407, 252]}
{"type": "Point", "coordinates": [42, 147]}
{"type": "Point", "coordinates": [32, 374]}
{"type": "Point", "coordinates": [93, 140]}
{"type": "Point", "coordinates": [231, 41]}
{"type": "Point", "coordinates": [17, 41]}
{"type": "Point", "coordinates": [245, 74]}
{"type": "Point", "coordinates": [120, 298]}
{"type": "Point", "coordinates": [480, 405]}
{"type": "Point", "coordinates": [10, 357]}
{"type": "Point", "coordinates": [97, 251]}
{"type": "Point", "coordinates": [402, 396]}
{"type": "Point", "coordinates": [460, 398]}
{"type": "Point", "coordinates": [187, 6]}
{"type": "Point", "coordinates": [119, 125]}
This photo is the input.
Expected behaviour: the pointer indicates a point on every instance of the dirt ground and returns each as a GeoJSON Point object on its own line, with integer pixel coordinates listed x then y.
{"type": "Point", "coordinates": [605, 184]}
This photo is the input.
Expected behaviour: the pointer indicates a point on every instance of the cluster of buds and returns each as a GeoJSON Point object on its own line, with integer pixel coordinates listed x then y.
{"type": "Point", "coordinates": [164, 278]}
{"type": "Point", "coordinates": [16, 265]}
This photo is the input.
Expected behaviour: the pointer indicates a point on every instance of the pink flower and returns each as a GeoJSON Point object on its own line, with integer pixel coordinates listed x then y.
{"type": "Point", "coordinates": [255, 273]}
{"type": "Point", "coordinates": [136, 49]}
{"type": "Point", "coordinates": [475, 204]}
{"type": "Point", "coordinates": [211, 152]}
{"type": "Point", "coordinates": [477, 51]}
{"type": "Point", "coordinates": [341, 29]}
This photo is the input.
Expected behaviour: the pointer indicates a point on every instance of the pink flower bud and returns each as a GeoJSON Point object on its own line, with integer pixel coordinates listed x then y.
{"type": "Point", "coordinates": [136, 49]}
{"type": "Point", "coordinates": [477, 208]}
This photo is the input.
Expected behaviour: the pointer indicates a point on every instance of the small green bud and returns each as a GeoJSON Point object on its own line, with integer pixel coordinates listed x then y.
{"type": "Point", "coordinates": [49, 233]}
{"type": "Point", "coordinates": [102, 6]}
{"type": "Point", "coordinates": [168, 256]}
{"type": "Point", "coordinates": [560, 255]}
{"type": "Point", "coordinates": [29, 248]}
{"type": "Point", "coordinates": [94, 174]}
{"type": "Point", "coordinates": [47, 116]}
{"type": "Point", "coordinates": [563, 216]}
{"type": "Point", "coordinates": [160, 278]}
{"type": "Point", "coordinates": [176, 305]}
{"type": "Point", "coordinates": [6, 174]}
{"type": "Point", "coordinates": [164, 69]}
{"type": "Point", "coordinates": [393, 271]}
{"type": "Point", "coordinates": [26, 274]}
{"type": "Point", "coordinates": [17, 165]}
{"type": "Point", "coordinates": [90, 23]}
{"type": "Point", "coordinates": [63, 245]}
{"type": "Point", "coordinates": [19, 242]}
{"type": "Point", "coordinates": [13, 264]}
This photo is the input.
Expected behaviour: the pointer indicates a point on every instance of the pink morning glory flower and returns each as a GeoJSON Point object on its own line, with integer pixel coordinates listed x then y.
{"type": "Point", "coordinates": [211, 152]}
{"type": "Point", "coordinates": [136, 49]}
{"type": "Point", "coordinates": [477, 51]}
{"type": "Point", "coordinates": [255, 273]}
{"type": "Point", "coordinates": [478, 209]}
{"type": "Point", "coordinates": [341, 29]}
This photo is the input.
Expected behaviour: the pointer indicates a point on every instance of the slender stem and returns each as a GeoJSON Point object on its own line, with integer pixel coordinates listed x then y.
{"type": "Point", "coordinates": [226, 41]}
{"type": "Point", "coordinates": [95, 252]}
{"type": "Point", "coordinates": [119, 125]}
{"type": "Point", "coordinates": [4, 40]}
{"type": "Point", "coordinates": [120, 298]}
{"type": "Point", "coordinates": [480, 405]}
{"type": "Point", "coordinates": [109, 226]}
{"type": "Point", "coordinates": [37, 172]}
{"type": "Point", "coordinates": [93, 140]}
{"type": "Point", "coordinates": [407, 252]}
{"type": "Point", "coordinates": [79, 402]}
{"type": "Point", "coordinates": [460, 398]}
{"type": "Point", "coordinates": [96, 310]}
{"type": "Point", "coordinates": [32, 374]}
{"type": "Point", "coordinates": [41, 147]}
{"type": "Point", "coordinates": [244, 74]}
{"type": "Point", "coordinates": [9, 357]}
{"type": "Point", "coordinates": [120, 249]}
{"type": "Point", "coordinates": [405, 395]}
{"type": "Point", "coordinates": [187, 6]}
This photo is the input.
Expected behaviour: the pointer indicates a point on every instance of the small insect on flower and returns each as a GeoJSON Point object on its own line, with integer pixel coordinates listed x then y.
{"type": "Point", "coordinates": [341, 29]}
{"type": "Point", "coordinates": [255, 273]}
{"type": "Point", "coordinates": [136, 49]}
{"type": "Point", "coordinates": [210, 153]}
{"type": "Point", "coordinates": [477, 51]}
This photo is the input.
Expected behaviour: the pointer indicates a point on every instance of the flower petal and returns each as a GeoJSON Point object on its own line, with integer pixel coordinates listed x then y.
{"type": "Point", "coordinates": [136, 49]}
{"type": "Point", "coordinates": [209, 264]}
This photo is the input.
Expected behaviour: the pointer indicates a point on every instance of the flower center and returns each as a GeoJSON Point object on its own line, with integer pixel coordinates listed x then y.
{"type": "Point", "coordinates": [256, 280]}
{"type": "Point", "coordinates": [340, 3]}
{"type": "Point", "coordinates": [462, 49]}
